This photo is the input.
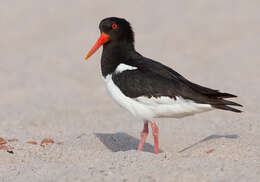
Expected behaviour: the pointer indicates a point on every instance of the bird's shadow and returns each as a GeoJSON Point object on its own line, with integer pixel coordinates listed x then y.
{"type": "Point", "coordinates": [211, 137]}
{"type": "Point", "coordinates": [122, 142]}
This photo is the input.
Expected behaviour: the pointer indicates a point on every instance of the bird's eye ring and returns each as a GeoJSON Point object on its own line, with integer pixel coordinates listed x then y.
{"type": "Point", "coordinates": [114, 26]}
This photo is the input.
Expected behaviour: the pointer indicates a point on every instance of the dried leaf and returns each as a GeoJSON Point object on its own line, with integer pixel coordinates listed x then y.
{"type": "Point", "coordinates": [32, 142]}
{"type": "Point", "coordinates": [12, 140]}
{"type": "Point", "coordinates": [3, 147]}
{"type": "Point", "coordinates": [2, 141]}
{"type": "Point", "coordinates": [45, 141]}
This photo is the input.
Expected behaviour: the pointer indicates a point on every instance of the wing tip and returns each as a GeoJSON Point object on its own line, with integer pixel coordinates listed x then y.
{"type": "Point", "coordinates": [228, 108]}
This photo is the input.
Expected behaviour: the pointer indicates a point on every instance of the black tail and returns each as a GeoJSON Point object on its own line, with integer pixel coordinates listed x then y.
{"type": "Point", "coordinates": [225, 105]}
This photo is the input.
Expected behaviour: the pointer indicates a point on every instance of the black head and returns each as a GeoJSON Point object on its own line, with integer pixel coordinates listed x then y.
{"type": "Point", "coordinates": [113, 30]}
{"type": "Point", "coordinates": [118, 29]}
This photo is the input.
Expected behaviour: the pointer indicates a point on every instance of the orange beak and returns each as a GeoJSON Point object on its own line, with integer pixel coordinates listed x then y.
{"type": "Point", "coordinates": [102, 40]}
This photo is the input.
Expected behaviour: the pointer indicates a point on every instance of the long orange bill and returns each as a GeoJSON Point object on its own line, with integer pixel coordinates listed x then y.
{"type": "Point", "coordinates": [102, 40]}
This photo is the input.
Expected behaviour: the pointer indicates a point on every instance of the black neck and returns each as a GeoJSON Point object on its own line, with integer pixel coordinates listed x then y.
{"type": "Point", "coordinates": [115, 53]}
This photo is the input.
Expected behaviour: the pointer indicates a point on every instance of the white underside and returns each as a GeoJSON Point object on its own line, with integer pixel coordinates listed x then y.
{"type": "Point", "coordinates": [148, 108]}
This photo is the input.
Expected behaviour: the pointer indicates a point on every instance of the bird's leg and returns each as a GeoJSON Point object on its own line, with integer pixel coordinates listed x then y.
{"type": "Point", "coordinates": [144, 134]}
{"type": "Point", "coordinates": [155, 130]}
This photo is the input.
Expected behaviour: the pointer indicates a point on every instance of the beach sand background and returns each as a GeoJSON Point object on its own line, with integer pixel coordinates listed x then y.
{"type": "Point", "coordinates": [47, 90]}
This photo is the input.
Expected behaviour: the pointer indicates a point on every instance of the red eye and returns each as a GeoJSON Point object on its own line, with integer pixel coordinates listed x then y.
{"type": "Point", "coordinates": [114, 26]}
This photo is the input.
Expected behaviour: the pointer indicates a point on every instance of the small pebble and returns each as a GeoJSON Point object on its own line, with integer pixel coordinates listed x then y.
{"type": "Point", "coordinates": [210, 151]}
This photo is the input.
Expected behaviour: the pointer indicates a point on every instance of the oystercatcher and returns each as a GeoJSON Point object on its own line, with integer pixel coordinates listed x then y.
{"type": "Point", "coordinates": [147, 88]}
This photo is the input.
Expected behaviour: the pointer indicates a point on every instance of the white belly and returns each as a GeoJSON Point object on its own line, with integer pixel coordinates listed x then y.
{"type": "Point", "coordinates": [148, 108]}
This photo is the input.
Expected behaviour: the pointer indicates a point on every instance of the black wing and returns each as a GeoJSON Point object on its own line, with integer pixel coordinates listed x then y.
{"type": "Point", "coordinates": [152, 79]}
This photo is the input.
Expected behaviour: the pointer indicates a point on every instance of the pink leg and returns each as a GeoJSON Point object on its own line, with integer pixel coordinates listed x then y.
{"type": "Point", "coordinates": [144, 134]}
{"type": "Point", "coordinates": [156, 138]}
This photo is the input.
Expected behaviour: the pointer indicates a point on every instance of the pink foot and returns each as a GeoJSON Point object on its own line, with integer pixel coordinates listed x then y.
{"type": "Point", "coordinates": [144, 134]}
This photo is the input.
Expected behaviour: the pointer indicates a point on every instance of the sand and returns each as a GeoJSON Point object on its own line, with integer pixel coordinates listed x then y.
{"type": "Point", "coordinates": [48, 91]}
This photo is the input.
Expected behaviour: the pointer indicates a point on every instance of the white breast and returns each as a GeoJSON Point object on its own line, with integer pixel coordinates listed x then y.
{"type": "Point", "coordinates": [148, 108]}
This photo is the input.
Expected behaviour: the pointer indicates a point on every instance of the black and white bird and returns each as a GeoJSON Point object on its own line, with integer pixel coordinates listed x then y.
{"type": "Point", "coordinates": [147, 88]}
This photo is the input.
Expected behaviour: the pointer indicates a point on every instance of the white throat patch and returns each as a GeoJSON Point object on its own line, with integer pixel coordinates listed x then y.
{"type": "Point", "coordinates": [124, 67]}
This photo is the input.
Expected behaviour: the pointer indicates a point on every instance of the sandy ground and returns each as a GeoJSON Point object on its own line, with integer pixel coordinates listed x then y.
{"type": "Point", "coordinates": [47, 90]}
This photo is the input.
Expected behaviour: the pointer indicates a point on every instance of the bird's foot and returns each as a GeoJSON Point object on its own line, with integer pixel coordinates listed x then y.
{"type": "Point", "coordinates": [155, 130]}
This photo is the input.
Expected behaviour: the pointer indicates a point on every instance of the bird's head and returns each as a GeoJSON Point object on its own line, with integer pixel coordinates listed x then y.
{"type": "Point", "coordinates": [113, 30]}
